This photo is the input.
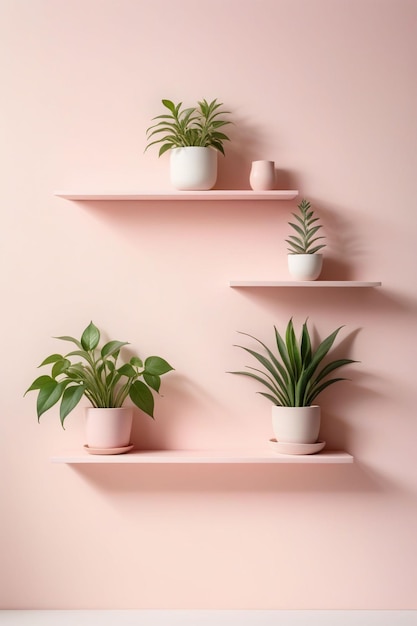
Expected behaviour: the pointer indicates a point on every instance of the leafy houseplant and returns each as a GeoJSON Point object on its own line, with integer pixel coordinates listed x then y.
{"type": "Point", "coordinates": [97, 376]}
{"type": "Point", "coordinates": [293, 373]}
{"type": "Point", "coordinates": [193, 126]}
{"type": "Point", "coordinates": [193, 137]}
{"type": "Point", "coordinates": [304, 262]}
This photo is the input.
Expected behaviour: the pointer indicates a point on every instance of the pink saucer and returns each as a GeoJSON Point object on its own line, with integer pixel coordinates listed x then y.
{"type": "Point", "coordinates": [296, 448]}
{"type": "Point", "coordinates": [109, 450]}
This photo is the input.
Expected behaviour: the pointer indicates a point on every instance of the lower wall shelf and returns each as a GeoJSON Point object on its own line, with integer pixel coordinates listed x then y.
{"type": "Point", "coordinates": [203, 456]}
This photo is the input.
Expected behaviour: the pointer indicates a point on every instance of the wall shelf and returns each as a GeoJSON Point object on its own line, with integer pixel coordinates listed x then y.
{"type": "Point", "coordinates": [304, 283]}
{"type": "Point", "coordinates": [203, 456]}
{"type": "Point", "coordinates": [212, 194]}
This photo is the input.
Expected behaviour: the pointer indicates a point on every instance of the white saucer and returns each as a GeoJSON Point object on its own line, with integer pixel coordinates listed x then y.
{"type": "Point", "coordinates": [109, 450]}
{"type": "Point", "coordinates": [296, 448]}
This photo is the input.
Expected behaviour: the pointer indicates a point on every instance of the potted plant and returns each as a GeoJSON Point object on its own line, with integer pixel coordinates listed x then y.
{"type": "Point", "coordinates": [294, 374]}
{"type": "Point", "coordinates": [193, 138]}
{"type": "Point", "coordinates": [304, 260]}
{"type": "Point", "coordinates": [95, 373]}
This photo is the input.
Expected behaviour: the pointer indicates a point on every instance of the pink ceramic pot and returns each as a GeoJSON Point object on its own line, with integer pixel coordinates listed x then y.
{"type": "Point", "coordinates": [262, 175]}
{"type": "Point", "coordinates": [108, 428]}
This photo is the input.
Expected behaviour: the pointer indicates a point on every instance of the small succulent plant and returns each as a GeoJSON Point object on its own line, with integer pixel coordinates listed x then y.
{"type": "Point", "coordinates": [306, 229]}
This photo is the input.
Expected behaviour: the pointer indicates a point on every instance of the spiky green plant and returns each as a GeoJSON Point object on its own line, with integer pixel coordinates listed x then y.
{"type": "Point", "coordinates": [97, 377]}
{"type": "Point", "coordinates": [194, 126]}
{"type": "Point", "coordinates": [294, 375]}
{"type": "Point", "coordinates": [306, 228]}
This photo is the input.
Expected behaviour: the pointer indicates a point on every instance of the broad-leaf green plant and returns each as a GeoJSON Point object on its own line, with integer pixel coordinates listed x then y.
{"type": "Point", "coordinates": [192, 126]}
{"type": "Point", "coordinates": [95, 373]}
{"type": "Point", "coordinates": [293, 371]}
{"type": "Point", "coordinates": [306, 229]}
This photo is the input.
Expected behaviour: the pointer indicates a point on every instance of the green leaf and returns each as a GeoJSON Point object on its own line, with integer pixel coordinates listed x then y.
{"type": "Point", "coordinates": [317, 390]}
{"type": "Point", "coordinates": [49, 395]}
{"type": "Point", "coordinates": [330, 367]}
{"type": "Point", "coordinates": [315, 250]}
{"type": "Point", "coordinates": [136, 361]}
{"type": "Point", "coordinates": [171, 106]}
{"type": "Point", "coordinates": [111, 347]}
{"type": "Point", "coordinates": [60, 367]}
{"type": "Point", "coordinates": [293, 351]}
{"type": "Point", "coordinates": [82, 353]}
{"type": "Point", "coordinates": [72, 339]}
{"type": "Point", "coordinates": [295, 249]}
{"type": "Point", "coordinates": [157, 366]}
{"type": "Point", "coordinates": [165, 148]}
{"type": "Point", "coordinates": [51, 359]}
{"type": "Point", "coordinates": [127, 370]}
{"type": "Point", "coordinates": [299, 230]}
{"type": "Point", "coordinates": [153, 381]}
{"type": "Point", "coordinates": [305, 345]}
{"type": "Point", "coordinates": [142, 397]}
{"type": "Point", "coordinates": [271, 398]}
{"type": "Point", "coordinates": [71, 397]}
{"type": "Point", "coordinates": [90, 337]}
{"type": "Point", "coordinates": [321, 352]}
{"type": "Point", "coordinates": [40, 382]}
{"type": "Point", "coordinates": [278, 397]}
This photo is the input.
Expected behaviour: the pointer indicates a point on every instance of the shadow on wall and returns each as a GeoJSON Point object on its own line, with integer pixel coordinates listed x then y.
{"type": "Point", "coordinates": [370, 302]}
{"type": "Point", "coordinates": [234, 479]}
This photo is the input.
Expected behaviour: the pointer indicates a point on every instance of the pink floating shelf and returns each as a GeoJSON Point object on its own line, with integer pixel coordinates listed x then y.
{"type": "Point", "coordinates": [204, 456]}
{"type": "Point", "coordinates": [212, 194]}
{"type": "Point", "coordinates": [304, 283]}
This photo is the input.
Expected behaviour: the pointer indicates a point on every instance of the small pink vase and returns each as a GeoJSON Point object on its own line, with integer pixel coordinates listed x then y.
{"type": "Point", "coordinates": [262, 175]}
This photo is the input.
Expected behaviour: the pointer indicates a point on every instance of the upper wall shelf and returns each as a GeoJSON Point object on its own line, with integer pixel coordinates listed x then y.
{"type": "Point", "coordinates": [304, 283]}
{"type": "Point", "coordinates": [213, 194]}
{"type": "Point", "coordinates": [204, 456]}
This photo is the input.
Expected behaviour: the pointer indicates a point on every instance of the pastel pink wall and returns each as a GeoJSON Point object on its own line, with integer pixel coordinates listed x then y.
{"type": "Point", "coordinates": [327, 89]}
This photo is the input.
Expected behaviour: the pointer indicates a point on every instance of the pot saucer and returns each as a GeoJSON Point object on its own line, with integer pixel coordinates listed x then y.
{"type": "Point", "coordinates": [121, 450]}
{"type": "Point", "coordinates": [296, 448]}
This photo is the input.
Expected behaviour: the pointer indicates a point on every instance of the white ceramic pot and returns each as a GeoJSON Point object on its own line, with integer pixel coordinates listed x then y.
{"type": "Point", "coordinates": [108, 428]}
{"type": "Point", "coordinates": [193, 168]}
{"type": "Point", "coordinates": [305, 266]}
{"type": "Point", "coordinates": [262, 175]}
{"type": "Point", "coordinates": [296, 424]}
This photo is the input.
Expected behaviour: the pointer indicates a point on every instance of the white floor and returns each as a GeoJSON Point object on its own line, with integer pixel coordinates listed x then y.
{"type": "Point", "coordinates": [208, 618]}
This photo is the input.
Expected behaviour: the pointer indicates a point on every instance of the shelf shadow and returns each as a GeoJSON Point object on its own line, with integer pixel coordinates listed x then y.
{"type": "Point", "coordinates": [232, 478]}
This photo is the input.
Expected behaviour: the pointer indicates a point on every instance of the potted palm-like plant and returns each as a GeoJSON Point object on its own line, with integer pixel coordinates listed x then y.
{"type": "Point", "coordinates": [193, 138]}
{"type": "Point", "coordinates": [104, 383]}
{"type": "Point", "coordinates": [294, 374]}
{"type": "Point", "coordinates": [304, 260]}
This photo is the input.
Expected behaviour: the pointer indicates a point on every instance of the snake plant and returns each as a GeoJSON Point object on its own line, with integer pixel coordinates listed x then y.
{"type": "Point", "coordinates": [293, 372]}
{"type": "Point", "coordinates": [97, 377]}
{"type": "Point", "coordinates": [193, 126]}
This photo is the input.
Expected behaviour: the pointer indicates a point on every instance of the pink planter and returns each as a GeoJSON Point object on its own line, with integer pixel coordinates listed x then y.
{"type": "Point", "coordinates": [108, 428]}
{"type": "Point", "coordinates": [262, 175]}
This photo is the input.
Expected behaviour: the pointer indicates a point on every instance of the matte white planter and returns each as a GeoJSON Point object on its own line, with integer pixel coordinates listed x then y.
{"type": "Point", "coordinates": [193, 168]}
{"type": "Point", "coordinates": [108, 428]}
{"type": "Point", "coordinates": [305, 266]}
{"type": "Point", "coordinates": [296, 424]}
